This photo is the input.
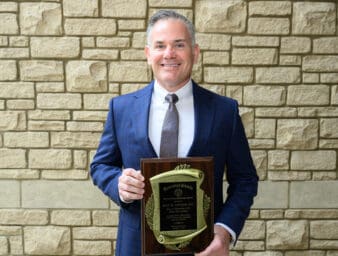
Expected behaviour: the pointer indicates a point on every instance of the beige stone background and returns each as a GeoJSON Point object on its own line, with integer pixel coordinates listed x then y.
{"type": "Point", "coordinates": [62, 60]}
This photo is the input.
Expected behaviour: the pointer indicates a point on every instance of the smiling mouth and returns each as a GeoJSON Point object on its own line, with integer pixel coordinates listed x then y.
{"type": "Point", "coordinates": [170, 65]}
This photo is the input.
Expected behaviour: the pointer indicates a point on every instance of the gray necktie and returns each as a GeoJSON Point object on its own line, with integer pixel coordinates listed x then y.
{"type": "Point", "coordinates": [169, 136]}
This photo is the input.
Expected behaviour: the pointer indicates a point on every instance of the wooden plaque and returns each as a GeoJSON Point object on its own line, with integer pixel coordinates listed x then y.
{"type": "Point", "coordinates": [178, 205]}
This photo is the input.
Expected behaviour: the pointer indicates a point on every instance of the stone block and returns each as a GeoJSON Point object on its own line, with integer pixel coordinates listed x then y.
{"type": "Point", "coordinates": [64, 174]}
{"type": "Point", "coordinates": [334, 95]}
{"type": "Point", "coordinates": [271, 214]}
{"type": "Point", "coordinates": [278, 75]}
{"type": "Point", "coordinates": [81, 8]}
{"type": "Point", "coordinates": [41, 70]}
{"type": "Point", "coordinates": [16, 90]}
{"type": "Point", "coordinates": [221, 17]}
{"type": "Point", "coordinates": [4, 246]}
{"type": "Point", "coordinates": [260, 160]}
{"type": "Point", "coordinates": [268, 26]}
{"type": "Point", "coordinates": [276, 112]}
{"type": "Point", "coordinates": [80, 195]}
{"type": "Point", "coordinates": [320, 63]}
{"type": "Point", "coordinates": [118, 42]}
{"type": "Point", "coordinates": [305, 253]}
{"type": "Point", "coordinates": [132, 54]}
{"type": "Point", "coordinates": [314, 18]}
{"type": "Point", "coordinates": [12, 120]}
{"type": "Point", "coordinates": [310, 194]}
{"type": "Point", "coordinates": [8, 7]}
{"type": "Point", "coordinates": [16, 245]}
{"type": "Point", "coordinates": [324, 229]}
{"type": "Point", "coordinates": [308, 95]}
{"type": "Point", "coordinates": [92, 247]}
{"type": "Point", "coordinates": [297, 134]}
{"type": "Point", "coordinates": [23, 217]}
{"type": "Point", "coordinates": [213, 41]}
{"type": "Point", "coordinates": [8, 70]}
{"type": "Point", "coordinates": [258, 95]}
{"type": "Point", "coordinates": [313, 160]}
{"type": "Point", "coordinates": [124, 8]}
{"type": "Point", "coordinates": [328, 127]}
{"type": "Point", "coordinates": [267, 8]}
{"type": "Point", "coordinates": [75, 139]}
{"type": "Point", "coordinates": [90, 115]}
{"type": "Point", "coordinates": [90, 27]}
{"type": "Point", "coordinates": [255, 41]}
{"type": "Point", "coordinates": [19, 41]}
{"type": "Point", "coordinates": [14, 53]}
{"type": "Point", "coordinates": [20, 104]}
{"type": "Point", "coordinates": [19, 174]}
{"type": "Point", "coordinates": [55, 47]}
{"type": "Point", "coordinates": [48, 240]}
{"type": "Point", "coordinates": [290, 60]}
{"type": "Point", "coordinates": [70, 218]}
{"type": "Point", "coordinates": [50, 87]}
{"type": "Point", "coordinates": [325, 45]}
{"type": "Point", "coordinates": [40, 18]}
{"type": "Point", "coordinates": [9, 193]}
{"type": "Point", "coordinates": [264, 200]}
{"type": "Point", "coordinates": [52, 158]}
{"type": "Point", "coordinates": [86, 76]}
{"type": "Point", "coordinates": [56, 115]}
{"type": "Point", "coordinates": [293, 44]}
{"type": "Point", "coordinates": [85, 126]}
{"type": "Point", "coordinates": [287, 234]}
{"type": "Point", "coordinates": [128, 71]}
{"type": "Point", "coordinates": [131, 25]}
{"type": "Point", "coordinates": [26, 139]}
{"type": "Point", "coordinates": [94, 233]}
{"type": "Point", "coordinates": [265, 128]}
{"type": "Point", "coordinates": [278, 159]}
{"type": "Point", "coordinates": [97, 101]}
{"type": "Point", "coordinates": [228, 75]}
{"type": "Point", "coordinates": [12, 158]}
{"type": "Point", "coordinates": [170, 3]}
{"type": "Point", "coordinates": [100, 54]}
{"type": "Point", "coordinates": [310, 78]}
{"type": "Point", "coordinates": [80, 159]}
{"type": "Point", "coordinates": [235, 92]}
{"type": "Point", "coordinates": [330, 78]}
{"type": "Point", "coordinates": [46, 125]}
{"type": "Point", "coordinates": [9, 24]}
{"type": "Point", "coordinates": [105, 218]}
{"type": "Point", "coordinates": [217, 58]}
{"type": "Point", "coordinates": [59, 101]}
{"type": "Point", "coordinates": [253, 230]}
{"type": "Point", "coordinates": [254, 56]}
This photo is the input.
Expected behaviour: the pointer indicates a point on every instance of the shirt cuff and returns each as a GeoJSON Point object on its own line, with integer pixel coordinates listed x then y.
{"type": "Point", "coordinates": [231, 232]}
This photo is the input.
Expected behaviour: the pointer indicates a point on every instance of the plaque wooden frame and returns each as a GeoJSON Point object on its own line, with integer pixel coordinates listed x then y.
{"type": "Point", "coordinates": [154, 166]}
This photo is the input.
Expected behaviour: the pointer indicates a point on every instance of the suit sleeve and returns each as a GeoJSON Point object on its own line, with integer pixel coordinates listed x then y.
{"type": "Point", "coordinates": [106, 166]}
{"type": "Point", "coordinates": [241, 176]}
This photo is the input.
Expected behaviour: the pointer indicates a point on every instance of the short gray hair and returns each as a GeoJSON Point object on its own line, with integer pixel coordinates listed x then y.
{"type": "Point", "coordinates": [169, 14]}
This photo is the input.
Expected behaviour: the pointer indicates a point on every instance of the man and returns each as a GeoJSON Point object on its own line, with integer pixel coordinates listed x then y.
{"type": "Point", "coordinates": [209, 125]}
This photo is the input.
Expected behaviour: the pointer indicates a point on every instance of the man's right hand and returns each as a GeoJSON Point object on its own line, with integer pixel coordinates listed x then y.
{"type": "Point", "coordinates": [131, 185]}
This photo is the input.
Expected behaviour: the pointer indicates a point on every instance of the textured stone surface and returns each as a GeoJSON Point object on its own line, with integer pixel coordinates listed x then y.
{"type": "Point", "coordinates": [287, 234]}
{"type": "Point", "coordinates": [53, 159]}
{"type": "Point", "coordinates": [278, 75]}
{"type": "Point", "coordinates": [97, 26]}
{"type": "Point", "coordinates": [264, 95]}
{"type": "Point", "coordinates": [268, 26]}
{"type": "Point", "coordinates": [41, 70]}
{"type": "Point", "coordinates": [266, 201]}
{"type": "Point", "coordinates": [297, 134]}
{"type": "Point", "coordinates": [124, 8]}
{"type": "Point", "coordinates": [47, 240]}
{"type": "Point", "coordinates": [9, 24]}
{"type": "Point", "coordinates": [81, 8]}
{"type": "Point", "coordinates": [254, 56]}
{"type": "Point", "coordinates": [313, 160]}
{"type": "Point", "coordinates": [228, 75]}
{"type": "Point", "coordinates": [55, 47]}
{"type": "Point", "coordinates": [320, 63]}
{"type": "Point", "coordinates": [314, 18]}
{"type": "Point", "coordinates": [267, 8]}
{"type": "Point", "coordinates": [9, 193]}
{"type": "Point", "coordinates": [86, 76]}
{"type": "Point", "coordinates": [220, 16]}
{"type": "Point", "coordinates": [129, 71]}
{"type": "Point", "coordinates": [40, 18]}
{"type": "Point", "coordinates": [308, 95]}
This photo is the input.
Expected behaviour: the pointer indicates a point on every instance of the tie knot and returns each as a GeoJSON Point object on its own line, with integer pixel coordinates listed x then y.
{"type": "Point", "coordinates": [171, 98]}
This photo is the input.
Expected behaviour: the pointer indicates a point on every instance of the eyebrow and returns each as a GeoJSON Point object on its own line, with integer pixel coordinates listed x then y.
{"type": "Point", "coordinates": [175, 41]}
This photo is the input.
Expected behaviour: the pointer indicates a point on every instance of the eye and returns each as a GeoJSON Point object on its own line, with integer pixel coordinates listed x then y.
{"type": "Point", "coordinates": [179, 45]}
{"type": "Point", "coordinates": [159, 46]}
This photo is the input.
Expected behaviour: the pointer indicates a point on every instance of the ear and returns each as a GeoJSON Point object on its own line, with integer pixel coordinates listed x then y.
{"type": "Point", "coordinates": [196, 53]}
{"type": "Point", "coordinates": [147, 53]}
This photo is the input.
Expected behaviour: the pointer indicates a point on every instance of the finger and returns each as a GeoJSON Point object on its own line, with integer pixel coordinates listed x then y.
{"type": "Point", "coordinates": [133, 173]}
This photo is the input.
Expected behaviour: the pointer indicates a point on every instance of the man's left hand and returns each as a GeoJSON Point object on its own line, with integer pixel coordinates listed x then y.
{"type": "Point", "coordinates": [219, 246]}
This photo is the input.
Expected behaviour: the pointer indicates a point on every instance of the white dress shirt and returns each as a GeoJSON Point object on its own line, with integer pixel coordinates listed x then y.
{"type": "Point", "coordinates": [186, 113]}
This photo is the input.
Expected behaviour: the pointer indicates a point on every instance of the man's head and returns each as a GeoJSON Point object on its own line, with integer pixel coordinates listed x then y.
{"type": "Point", "coordinates": [171, 50]}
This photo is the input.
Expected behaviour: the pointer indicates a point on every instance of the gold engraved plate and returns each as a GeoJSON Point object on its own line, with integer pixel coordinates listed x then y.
{"type": "Point", "coordinates": [177, 209]}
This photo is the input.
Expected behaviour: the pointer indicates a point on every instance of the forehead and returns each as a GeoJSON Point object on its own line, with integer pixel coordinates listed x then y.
{"type": "Point", "coordinates": [169, 30]}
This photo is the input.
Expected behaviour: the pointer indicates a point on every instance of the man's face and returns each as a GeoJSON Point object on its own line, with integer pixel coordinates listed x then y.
{"type": "Point", "coordinates": [171, 54]}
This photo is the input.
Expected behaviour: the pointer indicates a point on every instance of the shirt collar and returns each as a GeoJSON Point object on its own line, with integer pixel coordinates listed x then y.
{"type": "Point", "coordinates": [184, 92]}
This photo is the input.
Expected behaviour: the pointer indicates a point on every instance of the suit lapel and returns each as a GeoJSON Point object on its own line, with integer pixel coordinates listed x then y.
{"type": "Point", "coordinates": [204, 118]}
{"type": "Point", "coordinates": [140, 120]}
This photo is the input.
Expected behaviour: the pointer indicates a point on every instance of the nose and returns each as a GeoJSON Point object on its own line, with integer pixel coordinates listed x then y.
{"type": "Point", "coordinates": [169, 52]}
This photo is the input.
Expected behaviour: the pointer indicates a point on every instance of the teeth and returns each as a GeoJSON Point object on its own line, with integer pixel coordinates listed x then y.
{"type": "Point", "coordinates": [170, 65]}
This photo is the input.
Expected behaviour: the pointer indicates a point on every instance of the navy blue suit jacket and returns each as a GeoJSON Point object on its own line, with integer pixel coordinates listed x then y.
{"type": "Point", "coordinates": [218, 132]}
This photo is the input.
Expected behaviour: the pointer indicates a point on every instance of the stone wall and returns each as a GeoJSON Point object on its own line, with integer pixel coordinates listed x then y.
{"type": "Point", "coordinates": [62, 60]}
